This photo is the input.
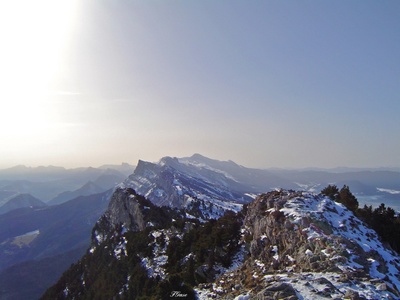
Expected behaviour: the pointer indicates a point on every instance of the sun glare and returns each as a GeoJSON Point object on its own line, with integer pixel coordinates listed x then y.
{"type": "Point", "coordinates": [34, 36]}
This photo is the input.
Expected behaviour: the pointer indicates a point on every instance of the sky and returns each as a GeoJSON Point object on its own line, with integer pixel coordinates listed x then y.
{"type": "Point", "coordinates": [287, 84]}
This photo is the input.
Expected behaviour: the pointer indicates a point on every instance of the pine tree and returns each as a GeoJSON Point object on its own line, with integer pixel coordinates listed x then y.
{"type": "Point", "coordinates": [347, 198]}
{"type": "Point", "coordinates": [331, 191]}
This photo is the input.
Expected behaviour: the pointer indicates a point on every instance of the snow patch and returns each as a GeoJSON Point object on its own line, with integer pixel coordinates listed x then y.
{"type": "Point", "coordinates": [343, 223]}
{"type": "Point", "coordinates": [120, 249]}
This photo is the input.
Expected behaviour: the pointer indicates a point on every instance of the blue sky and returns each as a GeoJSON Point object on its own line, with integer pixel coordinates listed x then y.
{"type": "Point", "coordinates": [263, 83]}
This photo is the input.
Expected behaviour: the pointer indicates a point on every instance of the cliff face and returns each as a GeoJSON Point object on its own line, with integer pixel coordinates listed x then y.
{"type": "Point", "coordinates": [126, 209]}
{"type": "Point", "coordinates": [129, 212]}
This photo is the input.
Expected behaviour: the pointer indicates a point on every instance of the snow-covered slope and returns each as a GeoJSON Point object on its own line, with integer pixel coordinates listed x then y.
{"type": "Point", "coordinates": [309, 247]}
{"type": "Point", "coordinates": [206, 192]}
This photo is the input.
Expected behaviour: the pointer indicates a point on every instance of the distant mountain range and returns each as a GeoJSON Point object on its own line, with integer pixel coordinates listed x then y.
{"type": "Point", "coordinates": [46, 173]}
{"type": "Point", "coordinates": [20, 201]}
{"type": "Point", "coordinates": [372, 186]}
{"type": "Point", "coordinates": [57, 184]}
{"type": "Point", "coordinates": [87, 189]}
{"type": "Point", "coordinates": [172, 181]}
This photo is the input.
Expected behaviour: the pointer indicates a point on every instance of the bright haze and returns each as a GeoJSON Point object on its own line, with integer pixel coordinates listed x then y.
{"type": "Point", "coordinates": [263, 83]}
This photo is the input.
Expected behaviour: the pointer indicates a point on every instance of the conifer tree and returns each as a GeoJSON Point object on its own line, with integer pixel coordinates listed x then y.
{"type": "Point", "coordinates": [331, 191]}
{"type": "Point", "coordinates": [347, 198]}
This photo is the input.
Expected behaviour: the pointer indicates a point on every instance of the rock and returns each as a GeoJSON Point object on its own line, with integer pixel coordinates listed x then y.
{"type": "Point", "coordinates": [125, 209]}
{"type": "Point", "coordinates": [279, 290]}
{"type": "Point", "coordinates": [292, 298]}
{"type": "Point", "coordinates": [382, 287]}
{"type": "Point", "coordinates": [352, 295]}
{"type": "Point", "coordinates": [204, 274]}
{"type": "Point", "coordinates": [279, 286]}
{"type": "Point", "coordinates": [314, 265]}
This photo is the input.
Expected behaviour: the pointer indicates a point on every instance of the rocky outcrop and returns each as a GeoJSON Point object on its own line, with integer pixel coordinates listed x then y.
{"type": "Point", "coordinates": [124, 210]}
{"type": "Point", "coordinates": [306, 246]}
{"type": "Point", "coordinates": [281, 243]}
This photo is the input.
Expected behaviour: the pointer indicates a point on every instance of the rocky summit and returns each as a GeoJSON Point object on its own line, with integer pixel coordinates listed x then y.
{"type": "Point", "coordinates": [283, 245]}
{"type": "Point", "coordinates": [306, 246]}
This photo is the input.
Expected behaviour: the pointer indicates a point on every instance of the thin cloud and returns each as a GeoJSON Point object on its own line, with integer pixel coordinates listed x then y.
{"type": "Point", "coordinates": [66, 93]}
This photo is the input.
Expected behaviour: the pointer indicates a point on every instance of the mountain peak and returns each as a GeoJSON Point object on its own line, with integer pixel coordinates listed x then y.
{"type": "Point", "coordinates": [130, 211]}
{"type": "Point", "coordinates": [168, 160]}
{"type": "Point", "coordinates": [176, 183]}
{"type": "Point", "coordinates": [206, 160]}
{"type": "Point", "coordinates": [198, 156]}
{"type": "Point", "coordinates": [20, 201]}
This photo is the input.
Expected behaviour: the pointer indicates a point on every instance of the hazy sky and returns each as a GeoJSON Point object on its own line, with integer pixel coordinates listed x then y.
{"type": "Point", "coordinates": [263, 83]}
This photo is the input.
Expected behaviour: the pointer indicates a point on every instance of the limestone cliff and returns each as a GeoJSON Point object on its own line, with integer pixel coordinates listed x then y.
{"type": "Point", "coordinates": [126, 210]}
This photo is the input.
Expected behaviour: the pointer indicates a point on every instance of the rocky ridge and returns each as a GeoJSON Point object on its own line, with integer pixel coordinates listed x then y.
{"type": "Point", "coordinates": [306, 246]}
{"type": "Point", "coordinates": [284, 245]}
